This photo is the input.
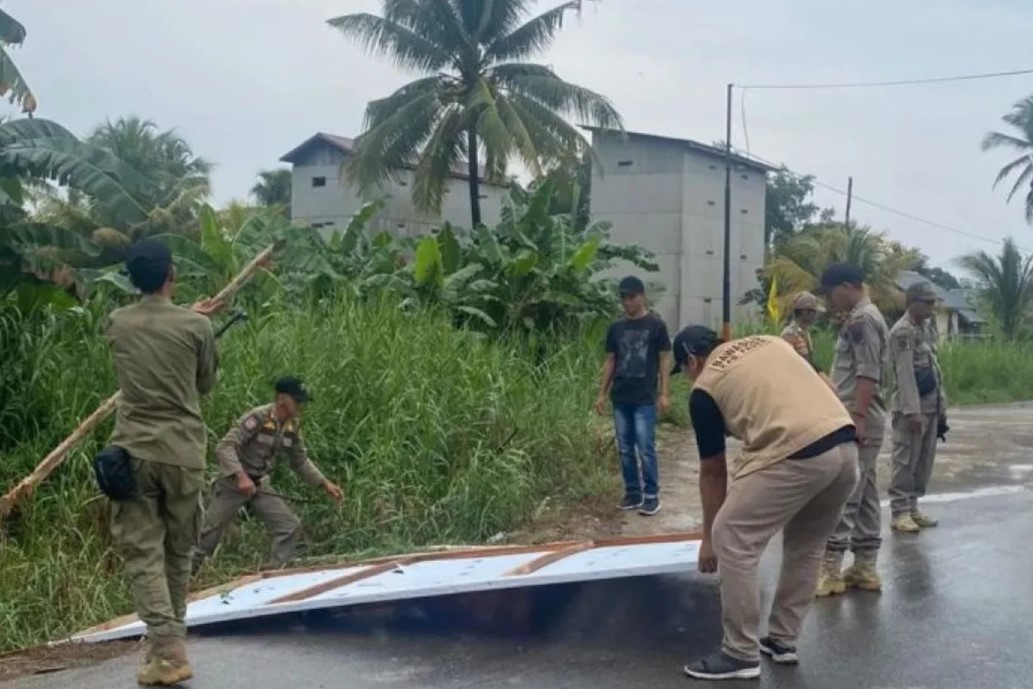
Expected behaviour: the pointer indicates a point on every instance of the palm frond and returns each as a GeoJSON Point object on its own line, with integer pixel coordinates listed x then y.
{"type": "Point", "coordinates": [1006, 171]}
{"type": "Point", "coordinates": [490, 19]}
{"type": "Point", "coordinates": [1023, 179]}
{"type": "Point", "coordinates": [553, 136]}
{"type": "Point", "coordinates": [1001, 140]}
{"type": "Point", "coordinates": [399, 124]}
{"type": "Point", "coordinates": [434, 20]}
{"type": "Point", "coordinates": [544, 86]}
{"type": "Point", "coordinates": [524, 144]}
{"type": "Point", "coordinates": [442, 153]}
{"type": "Point", "coordinates": [405, 47]}
{"type": "Point", "coordinates": [533, 37]}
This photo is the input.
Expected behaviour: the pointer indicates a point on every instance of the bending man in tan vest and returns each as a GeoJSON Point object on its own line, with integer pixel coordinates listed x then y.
{"type": "Point", "coordinates": [797, 468]}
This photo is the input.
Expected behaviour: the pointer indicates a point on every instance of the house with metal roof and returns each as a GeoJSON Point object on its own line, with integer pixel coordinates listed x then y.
{"type": "Point", "coordinates": [667, 194]}
{"type": "Point", "coordinates": [322, 196]}
{"type": "Point", "coordinates": [957, 317]}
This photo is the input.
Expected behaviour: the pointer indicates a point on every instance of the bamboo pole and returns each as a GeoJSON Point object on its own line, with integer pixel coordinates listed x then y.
{"type": "Point", "coordinates": [60, 453]}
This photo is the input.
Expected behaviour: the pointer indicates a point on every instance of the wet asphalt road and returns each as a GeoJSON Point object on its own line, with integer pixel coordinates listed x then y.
{"type": "Point", "coordinates": [956, 613]}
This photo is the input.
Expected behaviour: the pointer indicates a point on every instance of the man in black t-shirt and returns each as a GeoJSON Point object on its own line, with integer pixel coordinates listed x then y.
{"type": "Point", "coordinates": [638, 351]}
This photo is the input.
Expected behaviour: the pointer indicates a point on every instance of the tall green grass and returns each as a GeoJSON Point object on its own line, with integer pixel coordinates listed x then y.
{"type": "Point", "coordinates": [973, 372]}
{"type": "Point", "coordinates": [436, 435]}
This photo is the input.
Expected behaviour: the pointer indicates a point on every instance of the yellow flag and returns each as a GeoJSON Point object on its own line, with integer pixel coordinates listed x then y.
{"type": "Point", "coordinates": [774, 311]}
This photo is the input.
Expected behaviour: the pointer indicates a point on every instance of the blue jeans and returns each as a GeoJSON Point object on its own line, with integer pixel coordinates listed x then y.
{"type": "Point", "coordinates": [636, 426]}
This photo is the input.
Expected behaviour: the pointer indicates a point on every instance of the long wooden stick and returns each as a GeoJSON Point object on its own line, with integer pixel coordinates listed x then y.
{"type": "Point", "coordinates": [60, 453]}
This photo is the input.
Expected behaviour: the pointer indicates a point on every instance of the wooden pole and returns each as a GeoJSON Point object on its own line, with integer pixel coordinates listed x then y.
{"type": "Point", "coordinates": [60, 453]}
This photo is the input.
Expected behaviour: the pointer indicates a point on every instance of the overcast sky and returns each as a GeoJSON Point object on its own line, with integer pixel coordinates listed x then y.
{"type": "Point", "coordinates": [246, 80]}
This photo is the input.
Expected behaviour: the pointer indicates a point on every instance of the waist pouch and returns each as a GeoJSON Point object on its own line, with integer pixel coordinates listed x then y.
{"type": "Point", "coordinates": [925, 378]}
{"type": "Point", "coordinates": [113, 468]}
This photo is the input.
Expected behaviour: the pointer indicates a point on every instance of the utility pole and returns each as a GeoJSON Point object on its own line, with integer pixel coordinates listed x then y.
{"type": "Point", "coordinates": [726, 328]}
{"type": "Point", "coordinates": [849, 198]}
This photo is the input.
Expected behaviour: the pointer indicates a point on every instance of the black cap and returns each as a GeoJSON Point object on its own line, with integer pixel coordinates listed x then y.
{"type": "Point", "coordinates": [693, 340]}
{"type": "Point", "coordinates": [836, 274]}
{"type": "Point", "coordinates": [289, 385]}
{"type": "Point", "coordinates": [631, 285]}
{"type": "Point", "coordinates": [148, 263]}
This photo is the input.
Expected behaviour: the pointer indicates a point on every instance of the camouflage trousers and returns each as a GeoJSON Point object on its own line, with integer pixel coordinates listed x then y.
{"type": "Point", "coordinates": [226, 501]}
{"type": "Point", "coordinates": [154, 532]}
{"type": "Point", "coordinates": [860, 525]}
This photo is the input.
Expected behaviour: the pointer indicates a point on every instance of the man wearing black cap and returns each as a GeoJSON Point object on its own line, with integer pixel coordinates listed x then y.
{"type": "Point", "coordinates": [246, 456]}
{"type": "Point", "coordinates": [859, 372]}
{"type": "Point", "coordinates": [165, 360]}
{"type": "Point", "coordinates": [637, 354]}
{"type": "Point", "coordinates": [797, 467]}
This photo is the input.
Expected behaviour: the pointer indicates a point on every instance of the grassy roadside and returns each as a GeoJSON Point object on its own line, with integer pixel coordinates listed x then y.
{"type": "Point", "coordinates": [438, 436]}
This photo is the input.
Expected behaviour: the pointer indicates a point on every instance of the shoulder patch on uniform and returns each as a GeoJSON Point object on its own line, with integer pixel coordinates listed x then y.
{"type": "Point", "coordinates": [251, 423]}
{"type": "Point", "coordinates": [903, 340]}
{"type": "Point", "coordinates": [856, 331]}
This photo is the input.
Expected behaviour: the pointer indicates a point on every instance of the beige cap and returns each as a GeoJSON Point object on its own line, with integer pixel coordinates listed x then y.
{"type": "Point", "coordinates": [807, 301]}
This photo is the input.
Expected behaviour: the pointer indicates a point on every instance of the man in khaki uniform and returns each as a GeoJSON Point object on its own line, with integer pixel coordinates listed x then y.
{"type": "Point", "coordinates": [806, 308]}
{"type": "Point", "coordinates": [919, 407]}
{"type": "Point", "coordinates": [165, 360]}
{"type": "Point", "coordinates": [246, 456]}
{"type": "Point", "coordinates": [797, 468]}
{"type": "Point", "coordinates": [859, 371]}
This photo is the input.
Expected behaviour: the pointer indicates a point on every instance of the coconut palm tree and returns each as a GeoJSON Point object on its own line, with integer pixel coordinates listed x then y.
{"type": "Point", "coordinates": [798, 261]}
{"type": "Point", "coordinates": [273, 189]}
{"type": "Point", "coordinates": [475, 96]}
{"type": "Point", "coordinates": [1019, 119]}
{"type": "Point", "coordinates": [1007, 282]}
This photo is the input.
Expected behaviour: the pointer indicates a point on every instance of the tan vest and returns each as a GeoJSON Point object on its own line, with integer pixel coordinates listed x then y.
{"type": "Point", "coordinates": [771, 399]}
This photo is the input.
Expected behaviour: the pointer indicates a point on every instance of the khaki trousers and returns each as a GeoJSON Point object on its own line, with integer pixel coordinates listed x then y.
{"type": "Point", "coordinates": [283, 526]}
{"type": "Point", "coordinates": [154, 533]}
{"type": "Point", "coordinates": [860, 526]}
{"type": "Point", "coordinates": [802, 497]}
{"type": "Point", "coordinates": [913, 455]}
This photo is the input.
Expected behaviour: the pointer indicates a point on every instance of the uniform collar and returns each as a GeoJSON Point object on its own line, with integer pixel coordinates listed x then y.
{"type": "Point", "coordinates": [865, 301]}
{"type": "Point", "coordinates": [156, 298]}
{"type": "Point", "coordinates": [289, 426]}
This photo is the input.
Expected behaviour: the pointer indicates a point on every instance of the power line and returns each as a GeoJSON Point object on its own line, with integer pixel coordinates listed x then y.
{"type": "Point", "coordinates": [902, 82]}
{"type": "Point", "coordinates": [883, 207]}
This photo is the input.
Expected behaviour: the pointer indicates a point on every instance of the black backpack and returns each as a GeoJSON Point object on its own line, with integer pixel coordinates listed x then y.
{"type": "Point", "coordinates": [114, 472]}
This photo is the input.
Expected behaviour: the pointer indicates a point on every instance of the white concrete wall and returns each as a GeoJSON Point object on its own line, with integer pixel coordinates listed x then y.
{"type": "Point", "coordinates": [332, 206]}
{"type": "Point", "coordinates": [670, 199]}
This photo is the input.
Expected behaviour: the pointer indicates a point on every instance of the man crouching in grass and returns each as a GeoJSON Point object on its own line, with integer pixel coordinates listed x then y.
{"type": "Point", "coordinates": [797, 468]}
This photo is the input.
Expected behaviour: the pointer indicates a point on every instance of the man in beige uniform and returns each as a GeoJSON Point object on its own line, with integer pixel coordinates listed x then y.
{"type": "Point", "coordinates": [859, 371]}
{"type": "Point", "coordinates": [246, 456]}
{"type": "Point", "coordinates": [919, 407]}
{"type": "Point", "coordinates": [797, 468]}
{"type": "Point", "coordinates": [165, 360]}
{"type": "Point", "coordinates": [806, 308]}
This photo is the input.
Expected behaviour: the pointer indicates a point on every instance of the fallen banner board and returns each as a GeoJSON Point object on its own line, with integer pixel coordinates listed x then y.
{"type": "Point", "coordinates": [423, 575]}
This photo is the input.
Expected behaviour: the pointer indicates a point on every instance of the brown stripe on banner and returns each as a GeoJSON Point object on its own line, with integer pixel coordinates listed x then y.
{"type": "Point", "coordinates": [338, 582]}
{"type": "Point", "coordinates": [427, 556]}
{"type": "Point", "coordinates": [641, 540]}
{"type": "Point", "coordinates": [547, 559]}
